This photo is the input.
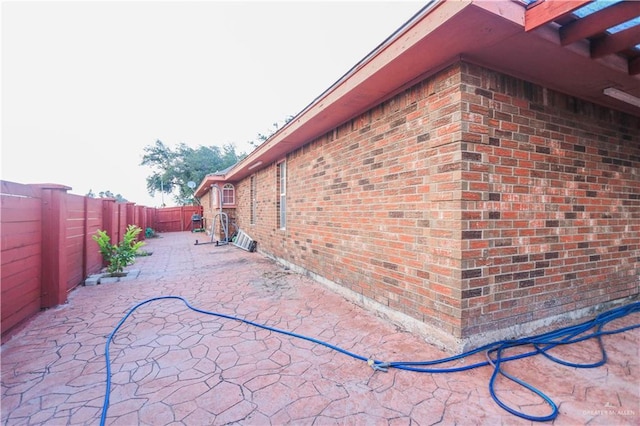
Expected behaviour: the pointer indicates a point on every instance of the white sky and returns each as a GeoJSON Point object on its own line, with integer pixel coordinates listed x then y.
{"type": "Point", "coordinates": [86, 85]}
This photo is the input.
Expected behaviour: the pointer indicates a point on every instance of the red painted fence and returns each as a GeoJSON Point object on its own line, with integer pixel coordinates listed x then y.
{"type": "Point", "coordinates": [175, 219]}
{"type": "Point", "coordinates": [47, 247]}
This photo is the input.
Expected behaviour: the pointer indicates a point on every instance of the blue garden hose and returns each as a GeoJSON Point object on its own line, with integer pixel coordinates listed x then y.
{"type": "Point", "coordinates": [495, 352]}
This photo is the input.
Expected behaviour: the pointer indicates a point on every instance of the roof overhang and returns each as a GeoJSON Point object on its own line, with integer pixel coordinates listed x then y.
{"type": "Point", "coordinates": [488, 33]}
{"type": "Point", "coordinates": [208, 182]}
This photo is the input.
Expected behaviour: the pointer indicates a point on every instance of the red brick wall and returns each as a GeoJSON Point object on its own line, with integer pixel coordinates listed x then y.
{"type": "Point", "coordinates": [211, 208]}
{"type": "Point", "coordinates": [359, 207]}
{"type": "Point", "coordinates": [265, 230]}
{"type": "Point", "coordinates": [465, 202]}
{"type": "Point", "coordinates": [551, 207]}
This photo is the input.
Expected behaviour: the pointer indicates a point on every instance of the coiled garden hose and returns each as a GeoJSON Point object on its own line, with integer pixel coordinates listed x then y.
{"type": "Point", "coordinates": [495, 352]}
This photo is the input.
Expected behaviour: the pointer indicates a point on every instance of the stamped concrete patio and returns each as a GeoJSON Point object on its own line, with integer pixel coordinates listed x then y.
{"type": "Point", "coordinates": [171, 365]}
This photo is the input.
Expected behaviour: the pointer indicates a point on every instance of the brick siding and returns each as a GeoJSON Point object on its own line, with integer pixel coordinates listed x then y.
{"type": "Point", "coordinates": [211, 208]}
{"type": "Point", "coordinates": [551, 208]}
{"type": "Point", "coordinates": [471, 201]}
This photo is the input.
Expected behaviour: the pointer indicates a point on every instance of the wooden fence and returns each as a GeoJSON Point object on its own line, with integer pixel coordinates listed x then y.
{"type": "Point", "coordinates": [175, 219]}
{"type": "Point", "coordinates": [47, 247]}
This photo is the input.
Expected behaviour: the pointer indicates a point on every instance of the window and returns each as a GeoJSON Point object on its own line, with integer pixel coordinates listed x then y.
{"type": "Point", "coordinates": [228, 194]}
{"type": "Point", "coordinates": [253, 200]}
{"type": "Point", "coordinates": [282, 190]}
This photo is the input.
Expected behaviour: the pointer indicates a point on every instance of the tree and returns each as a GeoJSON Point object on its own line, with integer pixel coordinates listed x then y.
{"type": "Point", "coordinates": [173, 169]}
{"type": "Point", "coordinates": [261, 138]}
{"type": "Point", "coordinates": [107, 194]}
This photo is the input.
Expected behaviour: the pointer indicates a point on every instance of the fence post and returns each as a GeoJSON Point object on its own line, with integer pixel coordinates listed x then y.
{"type": "Point", "coordinates": [142, 221]}
{"type": "Point", "coordinates": [85, 233]}
{"type": "Point", "coordinates": [54, 251]}
{"type": "Point", "coordinates": [108, 213]}
{"type": "Point", "coordinates": [130, 214]}
{"type": "Point", "coordinates": [122, 221]}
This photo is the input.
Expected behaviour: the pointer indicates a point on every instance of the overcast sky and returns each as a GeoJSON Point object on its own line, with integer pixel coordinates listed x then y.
{"type": "Point", "coordinates": [86, 85]}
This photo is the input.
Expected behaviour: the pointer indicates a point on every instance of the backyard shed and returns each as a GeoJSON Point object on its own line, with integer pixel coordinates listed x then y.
{"type": "Point", "coordinates": [476, 176]}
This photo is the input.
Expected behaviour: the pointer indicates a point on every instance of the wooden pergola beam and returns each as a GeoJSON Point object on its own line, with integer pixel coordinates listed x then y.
{"type": "Point", "coordinates": [549, 10]}
{"type": "Point", "coordinates": [598, 22]}
{"type": "Point", "coordinates": [634, 66]}
{"type": "Point", "coordinates": [615, 42]}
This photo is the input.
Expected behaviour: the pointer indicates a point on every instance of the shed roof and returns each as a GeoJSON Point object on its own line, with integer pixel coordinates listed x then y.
{"type": "Point", "coordinates": [577, 48]}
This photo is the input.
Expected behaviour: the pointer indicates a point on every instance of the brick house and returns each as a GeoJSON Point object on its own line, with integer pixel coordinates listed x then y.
{"type": "Point", "coordinates": [471, 178]}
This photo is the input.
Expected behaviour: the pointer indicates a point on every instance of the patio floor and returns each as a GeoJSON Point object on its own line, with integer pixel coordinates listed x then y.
{"type": "Point", "coordinates": [172, 365]}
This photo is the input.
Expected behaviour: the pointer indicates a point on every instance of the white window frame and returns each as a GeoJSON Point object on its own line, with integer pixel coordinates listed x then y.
{"type": "Point", "coordinates": [282, 189]}
{"type": "Point", "coordinates": [253, 194]}
{"type": "Point", "coordinates": [227, 189]}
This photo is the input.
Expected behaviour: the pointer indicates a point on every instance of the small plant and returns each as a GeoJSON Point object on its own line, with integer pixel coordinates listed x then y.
{"type": "Point", "coordinates": [119, 256]}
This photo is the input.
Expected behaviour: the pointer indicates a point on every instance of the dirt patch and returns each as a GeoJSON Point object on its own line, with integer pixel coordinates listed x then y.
{"type": "Point", "coordinates": [275, 283]}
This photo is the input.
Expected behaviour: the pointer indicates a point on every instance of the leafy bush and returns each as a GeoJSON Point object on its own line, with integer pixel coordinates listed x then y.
{"type": "Point", "coordinates": [119, 256]}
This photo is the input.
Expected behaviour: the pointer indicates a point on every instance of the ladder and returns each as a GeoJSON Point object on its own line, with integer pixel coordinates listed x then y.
{"type": "Point", "coordinates": [224, 227]}
{"type": "Point", "coordinates": [244, 241]}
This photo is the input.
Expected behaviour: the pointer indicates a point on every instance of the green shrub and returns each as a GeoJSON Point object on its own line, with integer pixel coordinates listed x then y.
{"type": "Point", "coordinates": [119, 256]}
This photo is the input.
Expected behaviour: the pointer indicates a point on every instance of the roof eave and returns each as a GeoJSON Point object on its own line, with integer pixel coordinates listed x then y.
{"type": "Point", "coordinates": [207, 182]}
{"type": "Point", "coordinates": [343, 100]}
{"type": "Point", "coordinates": [488, 33]}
